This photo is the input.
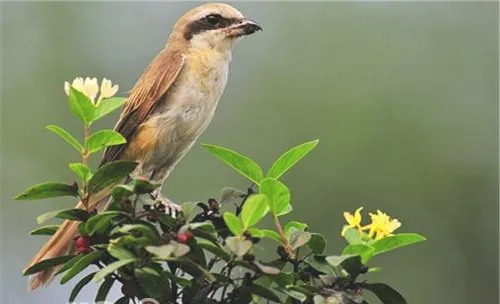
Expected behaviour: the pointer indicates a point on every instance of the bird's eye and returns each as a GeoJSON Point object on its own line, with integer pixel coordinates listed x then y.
{"type": "Point", "coordinates": [213, 19]}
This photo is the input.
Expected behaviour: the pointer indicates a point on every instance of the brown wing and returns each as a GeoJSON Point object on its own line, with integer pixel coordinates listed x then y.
{"type": "Point", "coordinates": [149, 89]}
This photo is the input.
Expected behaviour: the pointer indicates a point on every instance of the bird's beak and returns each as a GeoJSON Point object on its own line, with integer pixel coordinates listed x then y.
{"type": "Point", "coordinates": [243, 28]}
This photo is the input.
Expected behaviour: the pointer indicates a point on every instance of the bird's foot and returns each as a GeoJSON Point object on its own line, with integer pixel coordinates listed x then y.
{"type": "Point", "coordinates": [165, 205]}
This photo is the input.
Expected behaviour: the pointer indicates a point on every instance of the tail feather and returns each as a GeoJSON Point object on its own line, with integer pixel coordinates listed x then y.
{"type": "Point", "coordinates": [61, 242]}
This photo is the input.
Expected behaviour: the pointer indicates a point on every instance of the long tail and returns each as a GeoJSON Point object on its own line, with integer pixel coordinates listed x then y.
{"type": "Point", "coordinates": [61, 242]}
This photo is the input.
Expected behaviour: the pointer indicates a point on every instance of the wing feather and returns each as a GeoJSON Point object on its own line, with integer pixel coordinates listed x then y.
{"type": "Point", "coordinates": [145, 95]}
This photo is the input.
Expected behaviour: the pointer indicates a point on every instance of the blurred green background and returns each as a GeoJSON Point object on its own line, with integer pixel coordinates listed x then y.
{"type": "Point", "coordinates": [402, 95]}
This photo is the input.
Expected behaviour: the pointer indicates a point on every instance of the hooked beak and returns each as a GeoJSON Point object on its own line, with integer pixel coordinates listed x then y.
{"type": "Point", "coordinates": [244, 27]}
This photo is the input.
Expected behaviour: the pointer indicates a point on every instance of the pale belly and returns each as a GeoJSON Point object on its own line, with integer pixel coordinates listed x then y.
{"type": "Point", "coordinates": [182, 118]}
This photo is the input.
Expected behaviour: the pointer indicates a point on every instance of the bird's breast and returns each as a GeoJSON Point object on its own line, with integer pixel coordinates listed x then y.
{"type": "Point", "coordinates": [188, 108]}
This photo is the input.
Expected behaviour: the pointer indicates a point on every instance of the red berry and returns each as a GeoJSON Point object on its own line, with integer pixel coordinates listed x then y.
{"type": "Point", "coordinates": [83, 244]}
{"type": "Point", "coordinates": [184, 237]}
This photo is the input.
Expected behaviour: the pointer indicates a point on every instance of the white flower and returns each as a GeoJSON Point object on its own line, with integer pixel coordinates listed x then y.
{"type": "Point", "coordinates": [90, 87]}
{"type": "Point", "coordinates": [108, 89]}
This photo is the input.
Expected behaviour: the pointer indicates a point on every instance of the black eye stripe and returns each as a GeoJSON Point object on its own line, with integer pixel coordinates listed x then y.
{"type": "Point", "coordinates": [206, 23]}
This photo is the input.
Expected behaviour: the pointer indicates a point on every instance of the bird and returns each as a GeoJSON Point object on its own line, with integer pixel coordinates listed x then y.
{"type": "Point", "coordinates": [168, 108]}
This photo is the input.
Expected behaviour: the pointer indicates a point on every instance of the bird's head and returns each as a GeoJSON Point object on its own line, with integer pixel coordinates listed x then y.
{"type": "Point", "coordinates": [214, 25]}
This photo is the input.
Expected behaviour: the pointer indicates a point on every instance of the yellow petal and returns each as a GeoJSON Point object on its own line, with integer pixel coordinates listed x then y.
{"type": "Point", "coordinates": [357, 216]}
{"type": "Point", "coordinates": [78, 84]}
{"type": "Point", "coordinates": [107, 89]}
{"type": "Point", "coordinates": [344, 230]}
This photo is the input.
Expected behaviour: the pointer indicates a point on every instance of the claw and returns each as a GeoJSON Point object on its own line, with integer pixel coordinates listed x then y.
{"type": "Point", "coordinates": [168, 206]}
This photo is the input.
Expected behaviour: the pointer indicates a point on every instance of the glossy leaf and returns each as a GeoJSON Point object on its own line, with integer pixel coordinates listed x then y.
{"type": "Point", "coordinates": [254, 209]}
{"type": "Point", "coordinates": [111, 268]}
{"type": "Point", "coordinates": [80, 265]}
{"type": "Point", "coordinates": [354, 236]}
{"type": "Point", "coordinates": [107, 106]}
{"type": "Point", "coordinates": [100, 220]}
{"type": "Point", "coordinates": [66, 137]}
{"type": "Point", "coordinates": [389, 243]}
{"type": "Point", "coordinates": [102, 292]}
{"type": "Point", "coordinates": [272, 235]}
{"type": "Point", "coordinates": [45, 230]}
{"type": "Point", "coordinates": [79, 286]}
{"type": "Point", "coordinates": [213, 248]}
{"type": "Point", "coordinates": [120, 253]}
{"type": "Point", "coordinates": [265, 293]}
{"type": "Point", "coordinates": [151, 282]}
{"type": "Point", "coordinates": [163, 252]}
{"type": "Point", "coordinates": [233, 223]}
{"type": "Point", "coordinates": [48, 190]}
{"type": "Point", "coordinates": [294, 224]}
{"type": "Point", "coordinates": [69, 214]}
{"type": "Point", "coordinates": [48, 263]}
{"type": "Point", "coordinates": [244, 165]}
{"type": "Point", "coordinates": [385, 293]}
{"type": "Point", "coordinates": [237, 246]}
{"type": "Point", "coordinates": [81, 170]}
{"type": "Point", "coordinates": [317, 243]}
{"type": "Point", "coordinates": [277, 193]}
{"type": "Point", "coordinates": [81, 106]}
{"type": "Point", "coordinates": [69, 264]}
{"type": "Point", "coordinates": [299, 239]}
{"type": "Point", "coordinates": [109, 174]}
{"type": "Point", "coordinates": [364, 251]}
{"type": "Point", "coordinates": [102, 139]}
{"type": "Point", "coordinates": [288, 159]}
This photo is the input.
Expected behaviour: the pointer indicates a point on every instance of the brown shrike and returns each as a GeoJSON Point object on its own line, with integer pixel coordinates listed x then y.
{"type": "Point", "coordinates": [169, 107]}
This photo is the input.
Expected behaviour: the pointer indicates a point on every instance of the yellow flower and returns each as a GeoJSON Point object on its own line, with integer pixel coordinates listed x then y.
{"type": "Point", "coordinates": [353, 220]}
{"type": "Point", "coordinates": [382, 225]}
{"type": "Point", "coordinates": [107, 89]}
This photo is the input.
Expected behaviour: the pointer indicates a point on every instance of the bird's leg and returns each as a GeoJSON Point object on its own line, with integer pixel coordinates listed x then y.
{"type": "Point", "coordinates": [164, 204]}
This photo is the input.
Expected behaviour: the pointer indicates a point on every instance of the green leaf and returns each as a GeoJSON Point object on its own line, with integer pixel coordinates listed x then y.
{"type": "Point", "coordinates": [123, 300]}
{"type": "Point", "coordinates": [299, 239]}
{"type": "Point", "coordinates": [320, 264]}
{"type": "Point", "coordinates": [104, 138]}
{"type": "Point", "coordinates": [351, 263]}
{"type": "Point", "coordinates": [288, 159]}
{"type": "Point", "coordinates": [385, 293]}
{"type": "Point", "coordinates": [278, 194]}
{"type": "Point", "coordinates": [101, 220]}
{"type": "Point", "coordinates": [272, 235]}
{"type": "Point", "coordinates": [48, 190]}
{"type": "Point", "coordinates": [45, 230]}
{"type": "Point", "coordinates": [69, 214]}
{"type": "Point", "coordinates": [297, 295]}
{"type": "Point", "coordinates": [264, 292]}
{"type": "Point", "coordinates": [237, 246]}
{"type": "Point", "coordinates": [81, 170]}
{"type": "Point", "coordinates": [141, 230]}
{"type": "Point", "coordinates": [164, 252]}
{"type": "Point", "coordinates": [102, 292]}
{"type": "Point", "coordinates": [45, 264]}
{"type": "Point", "coordinates": [244, 165]}
{"type": "Point", "coordinates": [254, 209]}
{"type": "Point", "coordinates": [294, 224]}
{"type": "Point", "coordinates": [79, 286]}
{"type": "Point", "coordinates": [109, 174]}
{"type": "Point", "coordinates": [213, 248]}
{"type": "Point", "coordinates": [228, 194]}
{"type": "Point", "coordinates": [317, 243]}
{"type": "Point", "coordinates": [120, 253]}
{"type": "Point", "coordinates": [364, 251]}
{"type": "Point", "coordinates": [266, 269]}
{"type": "Point", "coordinates": [66, 137]}
{"type": "Point", "coordinates": [106, 106]}
{"type": "Point", "coordinates": [354, 236]}
{"type": "Point", "coordinates": [395, 241]}
{"type": "Point", "coordinates": [256, 232]}
{"type": "Point", "coordinates": [111, 268]}
{"type": "Point", "coordinates": [80, 265]}
{"type": "Point", "coordinates": [287, 210]}
{"type": "Point", "coordinates": [233, 223]}
{"type": "Point", "coordinates": [151, 282]}
{"type": "Point", "coordinates": [143, 186]}
{"type": "Point", "coordinates": [81, 106]}
{"type": "Point", "coordinates": [122, 191]}
{"type": "Point", "coordinates": [69, 264]}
